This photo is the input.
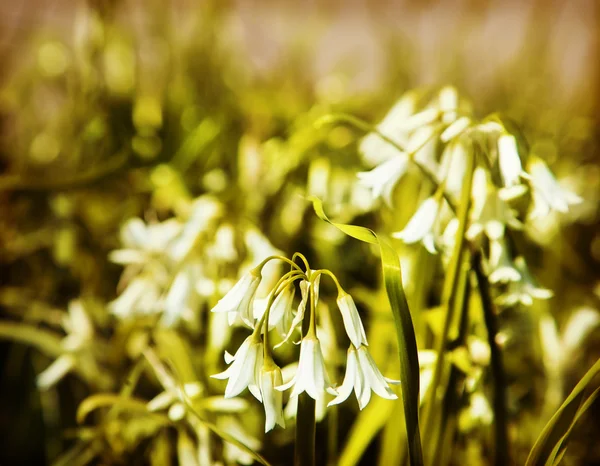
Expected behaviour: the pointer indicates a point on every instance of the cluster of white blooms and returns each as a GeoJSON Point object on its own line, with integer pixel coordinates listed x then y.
{"type": "Point", "coordinates": [173, 267]}
{"type": "Point", "coordinates": [253, 367]}
{"type": "Point", "coordinates": [436, 132]}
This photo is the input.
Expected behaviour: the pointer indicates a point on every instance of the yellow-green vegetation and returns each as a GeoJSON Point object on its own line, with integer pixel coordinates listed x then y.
{"type": "Point", "coordinates": [209, 262]}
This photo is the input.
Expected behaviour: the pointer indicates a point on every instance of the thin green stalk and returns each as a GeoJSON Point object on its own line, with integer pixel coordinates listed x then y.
{"type": "Point", "coordinates": [449, 295]}
{"type": "Point", "coordinates": [501, 453]}
{"type": "Point", "coordinates": [304, 449]}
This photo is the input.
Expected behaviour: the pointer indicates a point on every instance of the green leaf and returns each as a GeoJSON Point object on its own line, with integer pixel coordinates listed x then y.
{"type": "Point", "coordinates": [407, 344]}
{"type": "Point", "coordinates": [560, 425]}
{"type": "Point", "coordinates": [101, 400]}
{"type": "Point", "coordinates": [46, 341]}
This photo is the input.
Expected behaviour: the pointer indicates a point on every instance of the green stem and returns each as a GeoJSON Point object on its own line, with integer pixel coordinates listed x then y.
{"type": "Point", "coordinates": [304, 451]}
{"type": "Point", "coordinates": [501, 453]}
{"type": "Point", "coordinates": [449, 295]}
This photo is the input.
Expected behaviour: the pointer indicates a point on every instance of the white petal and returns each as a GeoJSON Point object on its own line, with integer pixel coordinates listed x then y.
{"type": "Point", "coordinates": [351, 318]}
{"type": "Point", "coordinates": [421, 222]}
{"type": "Point", "coordinates": [373, 375]}
{"type": "Point", "coordinates": [349, 379]}
{"type": "Point", "coordinates": [509, 160]}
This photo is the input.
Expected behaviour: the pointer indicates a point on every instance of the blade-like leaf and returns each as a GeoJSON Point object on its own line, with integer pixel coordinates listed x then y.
{"type": "Point", "coordinates": [46, 341]}
{"type": "Point", "coordinates": [562, 421]}
{"type": "Point", "coordinates": [407, 344]}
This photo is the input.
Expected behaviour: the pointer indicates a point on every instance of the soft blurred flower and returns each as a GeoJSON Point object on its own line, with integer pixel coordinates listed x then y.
{"type": "Point", "coordinates": [547, 192]}
{"type": "Point", "coordinates": [523, 291]}
{"type": "Point", "coordinates": [420, 226]}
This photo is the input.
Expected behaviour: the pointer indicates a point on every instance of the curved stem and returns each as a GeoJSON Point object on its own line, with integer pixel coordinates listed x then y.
{"type": "Point", "coordinates": [302, 258]}
{"type": "Point", "coordinates": [281, 258]}
{"type": "Point", "coordinates": [329, 273]}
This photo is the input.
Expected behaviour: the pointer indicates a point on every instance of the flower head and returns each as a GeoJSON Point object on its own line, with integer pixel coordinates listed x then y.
{"type": "Point", "coordinates": [352, 323]}
{"type": "Point", "coordinates": [311, 375]}
{"type": "Point", "coordinates": [363, 376]}
{"type": "Point", "coordinates": [239, 298]}
{"type": "Point", "coordinates": [244, 369]}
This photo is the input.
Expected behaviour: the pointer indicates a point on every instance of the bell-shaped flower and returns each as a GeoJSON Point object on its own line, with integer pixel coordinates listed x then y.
{"type": "Point", "coordinates": [244, 369]}
{"type": "Point", "coordinates": [239, 298]}
{"type": "Point", "coordinates": [524, 290]}
{"type": "Point", "coordinates": [311, 375]}
{"type": "Point", "coordinates": [270, 377]}
{"type": "Point", "coordinates": [501, 267]}
{"type": "Point", "coordinates": [352, 322]}
{"type": "Point", "coordinates": [547, 192]}
{"type": "Point", "coordinates": [363, 376]}
{"type": "Point", "coordinates": [382, 179]}
{"type": "Point", "coordinates": [509, 162]}
{"type": "Point", "coordinates": [420, 226]}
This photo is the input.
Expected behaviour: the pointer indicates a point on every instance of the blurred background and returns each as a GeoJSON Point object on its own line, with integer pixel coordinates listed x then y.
{"type": "Point", "coordinates": [115, 109]}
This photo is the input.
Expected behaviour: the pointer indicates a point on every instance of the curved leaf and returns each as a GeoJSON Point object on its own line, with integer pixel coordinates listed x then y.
{"type": "Point", "coordinates": [561, 423]}
{"type": "Point", "coordinates": [407, 344]}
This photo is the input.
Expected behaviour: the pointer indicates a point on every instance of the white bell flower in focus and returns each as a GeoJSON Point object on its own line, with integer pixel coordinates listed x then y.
{"type": "Point", "coordinates": [244, 369]}
{"type": "Point", "coordinates": [363, 376]}
{"type": "Point", "coordinates": [311, 375]}
{"type": "Point", "coordinates": [420, 226]}
{"type": "Point", "coordinates": [270, 377]}
{"type": "Point", "coordinates": [352, 322]}
{"type": "Point", "coordinates": [239, 298]}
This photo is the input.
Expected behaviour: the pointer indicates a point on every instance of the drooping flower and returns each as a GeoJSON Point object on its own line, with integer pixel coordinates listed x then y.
{"type": "Point", "coordinates": [363, 376]}
{"type": "Point", "coordinates": [239, 298]}
{"type": "Point", "coordinates": [270, 377]}
{"type": "Point", "coordinates": [382, 179]}
{"type": "Point", "coordinates": [547, 192]}
{"type": "Point", "coordinates": [244, 369]}
{"type": "Point", "coordinates": [509, 161]}
{"type": "Point", "coordinates": [311, 375]}
{"type": "Point", "coordinates": [502, 269]}
{"type": "Point", "coordinates": [420, 226]}
{"type": "Point", "coordinates": [524, 290]}
{"type": "Point", "coordinates": [352, 322]}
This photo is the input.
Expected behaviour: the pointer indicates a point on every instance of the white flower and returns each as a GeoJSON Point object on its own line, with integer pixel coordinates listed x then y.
{"type": "Point", "coordinates": [239, 298]}
{"type": "Point", "coordinates": [352, 323]}
{"type": "Point", "coordinates": [382, 179]}
{"type": "Point", "coordinates": [524, 290]}
{"type": "Point", "coordinates": [548, 194]}
{"type": "Point", "coordinates": [502, 269]}
{"type": "Point", "coordinates": [311, 375]}
{"type": "Point", "coordinates": [363, 376]}
{"type": "Point", "coordinates": [509, 161]}
{"type": "Point", "coordinates": [244, 370]}
{"type": "Point", "coordinates": [420, 226]}
{"type": "Point", "coordinates": [272, 399]}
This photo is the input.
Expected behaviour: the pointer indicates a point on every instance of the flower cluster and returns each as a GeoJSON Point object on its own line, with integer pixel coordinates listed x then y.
{"type": "Point", "coordinates": [172, 267]}
{"type": "Point", "coordinates": [253, 366]}
{"type": "Point", "coordinates": [511, 187]}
